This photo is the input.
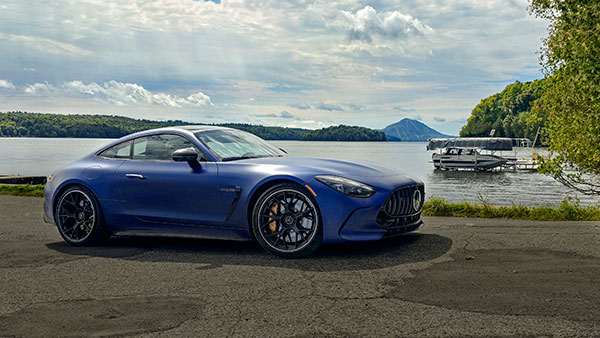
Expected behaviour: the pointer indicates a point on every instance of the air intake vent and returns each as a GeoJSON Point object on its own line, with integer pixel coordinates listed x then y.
{"type": "Point", "coordinates": [402, 207]}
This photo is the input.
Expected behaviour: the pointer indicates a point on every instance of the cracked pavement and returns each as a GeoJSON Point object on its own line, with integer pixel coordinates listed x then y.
{"type": "Point", "coordinates": [454, 277]}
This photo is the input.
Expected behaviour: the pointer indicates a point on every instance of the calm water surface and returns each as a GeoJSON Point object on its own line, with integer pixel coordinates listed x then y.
{"type": "Point", "coordinates": [40, 156]}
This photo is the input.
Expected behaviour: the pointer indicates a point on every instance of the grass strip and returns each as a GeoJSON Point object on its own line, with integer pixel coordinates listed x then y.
{"type": "Point", "coordinates": [22, 190]}
{"type": "Point", "coordinates": [568, 210]}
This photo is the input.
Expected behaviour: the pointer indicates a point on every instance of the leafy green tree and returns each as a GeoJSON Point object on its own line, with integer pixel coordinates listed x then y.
{"type": "Point", "coordinates": [514, 112]}
{"type": "Point", "coordinates": [571, 60]}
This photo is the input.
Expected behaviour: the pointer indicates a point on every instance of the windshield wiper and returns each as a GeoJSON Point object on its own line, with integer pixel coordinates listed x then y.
{"type": "Point", "coordinates": [233, 158]}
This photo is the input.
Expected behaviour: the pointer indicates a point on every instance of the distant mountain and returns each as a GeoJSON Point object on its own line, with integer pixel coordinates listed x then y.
{"type": "Point", "coordinates": [410, 130]}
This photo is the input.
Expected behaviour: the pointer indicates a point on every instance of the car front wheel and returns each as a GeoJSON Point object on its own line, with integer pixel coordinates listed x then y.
{"type": "Point", "coordinates": [287, 222]}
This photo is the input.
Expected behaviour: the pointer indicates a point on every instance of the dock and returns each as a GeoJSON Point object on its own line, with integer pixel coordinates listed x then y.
{"type": "Point", "coordinates": [18, 179]}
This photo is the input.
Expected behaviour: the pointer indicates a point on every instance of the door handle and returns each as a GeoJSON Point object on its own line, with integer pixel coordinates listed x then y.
{"type": "Point", "coordinates": [141, 177]}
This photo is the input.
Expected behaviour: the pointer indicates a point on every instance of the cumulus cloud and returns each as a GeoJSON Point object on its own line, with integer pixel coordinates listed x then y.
{"type": "Point", "coordinates": [366, 23]}
{"type": "Point", "coordinates": [329, 106]}
{"type": "Point", "coordinates": [6, 84]}
{"type": "Point", "coordinates": [199, 99]}
{"type": "Point", "coordinates": [39, 88]}
{"type": "Point", "coordinates": [118, 93]}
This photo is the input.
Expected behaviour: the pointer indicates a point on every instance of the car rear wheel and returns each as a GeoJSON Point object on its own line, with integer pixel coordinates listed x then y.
{"type": "Point", "coordinates": [287, 222]}
{"type": "Point", "coordinates": [79, 218]}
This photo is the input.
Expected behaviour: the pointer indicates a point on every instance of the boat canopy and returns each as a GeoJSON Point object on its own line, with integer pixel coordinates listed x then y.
{"type": "Point", "coordinates": [485, 143]}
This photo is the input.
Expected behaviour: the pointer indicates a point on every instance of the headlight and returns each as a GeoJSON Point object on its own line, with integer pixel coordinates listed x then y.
{"type": "Point", "coordinates": [346, 186]}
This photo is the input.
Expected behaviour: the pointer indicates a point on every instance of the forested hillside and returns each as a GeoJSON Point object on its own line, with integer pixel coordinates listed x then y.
{"type": "Point", "coordinates": [56, 125]}
{"type": "Point", "coordinates": [104, 126]}
{"type": "Point", "coordinates": [344, 133]}
{"type": "Point", "coordinates": [514, 112]}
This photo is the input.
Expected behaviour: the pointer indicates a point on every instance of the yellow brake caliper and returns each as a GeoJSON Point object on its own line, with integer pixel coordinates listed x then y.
{"type": "Point", "coordinates": [274, 211]}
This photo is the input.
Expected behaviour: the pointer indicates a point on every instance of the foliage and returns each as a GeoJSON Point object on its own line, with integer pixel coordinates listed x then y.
{"type": "Point", "coordinates": [344, 133]}
{"type": "Point", "coordinates": [571, 61]}
{"type": "Point", "coordinates": [56, 125]}
{"type": "Point", "coordinates": [20, 124]}
{"type": "Point", "coordinates": [568, 210]}
{"type": "Point", "coordinates": [514, 112]}
{"type": "Point", "coordinates": [269, 133]}
{"type": "Point", "coordinates": [22, 190]}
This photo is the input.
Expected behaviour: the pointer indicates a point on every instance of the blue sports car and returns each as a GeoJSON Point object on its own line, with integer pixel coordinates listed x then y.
{"type": "Point", "coordinates": [214, 182]}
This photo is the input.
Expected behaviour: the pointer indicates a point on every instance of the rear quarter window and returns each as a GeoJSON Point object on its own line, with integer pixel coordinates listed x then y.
{"type": "Point", "coordinates": [121, 150]}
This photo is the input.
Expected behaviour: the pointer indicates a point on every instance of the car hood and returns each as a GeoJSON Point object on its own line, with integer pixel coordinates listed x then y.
{"type": "Point", "coordinates": [355, 170]}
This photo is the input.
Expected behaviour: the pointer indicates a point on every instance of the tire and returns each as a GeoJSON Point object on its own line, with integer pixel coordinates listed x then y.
{"type": "Point", "coordinates": [79, 219]}
{"type": "Point", "coordinates": [286, 221]}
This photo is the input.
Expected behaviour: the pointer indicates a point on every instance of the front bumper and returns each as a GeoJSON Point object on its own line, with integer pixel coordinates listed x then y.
{"type": "Point", "coordinates": [361, 225]}
{"type": "Point", "coordinates": [400, 213]}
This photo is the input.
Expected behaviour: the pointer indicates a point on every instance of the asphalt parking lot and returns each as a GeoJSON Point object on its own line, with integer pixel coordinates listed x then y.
{"type": "Point", "coordinates": [455, 277]}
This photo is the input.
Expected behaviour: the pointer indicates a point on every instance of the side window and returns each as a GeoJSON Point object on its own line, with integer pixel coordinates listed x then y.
{"type": "Point", "coordinates": [159, 147]}
{"type": "Point", "coordinates": [121, 150]}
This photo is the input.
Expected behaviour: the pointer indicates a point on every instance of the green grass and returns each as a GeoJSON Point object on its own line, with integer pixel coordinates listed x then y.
{"type": "Point", "coordinates": [22, 190]}
{"type": "Point", "coordinates": [568, 210]}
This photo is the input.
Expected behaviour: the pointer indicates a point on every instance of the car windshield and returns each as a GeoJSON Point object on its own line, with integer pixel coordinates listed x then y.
{"type": "Point", "coordinates": [236, 144]}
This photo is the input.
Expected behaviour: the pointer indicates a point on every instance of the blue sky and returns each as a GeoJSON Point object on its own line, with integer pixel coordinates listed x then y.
{"type": "Point", "coordinates": [296, 63]}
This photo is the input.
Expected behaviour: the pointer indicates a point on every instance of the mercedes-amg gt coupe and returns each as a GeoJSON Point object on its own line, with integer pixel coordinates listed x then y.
{"type": "Point", "coordinates": [215, 182]}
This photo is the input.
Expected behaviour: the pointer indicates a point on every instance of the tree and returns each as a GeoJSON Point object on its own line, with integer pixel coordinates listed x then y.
{"type": "Point", "coordinates": [570, 58]}
{"type": "Point", "coordinates": [514, 112]}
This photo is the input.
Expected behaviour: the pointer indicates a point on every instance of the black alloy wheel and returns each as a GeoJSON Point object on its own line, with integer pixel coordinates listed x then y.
{"type": "Point", "coordinates": [287, 222]}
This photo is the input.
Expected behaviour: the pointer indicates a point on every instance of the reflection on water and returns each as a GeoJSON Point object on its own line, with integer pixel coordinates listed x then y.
{"type": "Point", "coordinates": [31, 156]}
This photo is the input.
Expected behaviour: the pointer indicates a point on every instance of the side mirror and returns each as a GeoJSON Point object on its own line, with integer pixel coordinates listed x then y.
{"type": "Point", "coordinates": [188, 155]}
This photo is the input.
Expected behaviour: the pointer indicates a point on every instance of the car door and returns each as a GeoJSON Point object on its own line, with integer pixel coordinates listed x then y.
{"type": "Point", "coordinates": [158, 190]}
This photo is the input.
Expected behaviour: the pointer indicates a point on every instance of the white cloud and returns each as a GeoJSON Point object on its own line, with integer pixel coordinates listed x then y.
{"type": "Point", "coordinates": [366, 23]}
{"type": "Point", "coordinates": [6, 84]}
{"type": "Point", "coordinates": [117, 93]}
{"type": "Point", "coordinates": [39, 89]}
{"type": "Point", "coordinates": [199, 99]}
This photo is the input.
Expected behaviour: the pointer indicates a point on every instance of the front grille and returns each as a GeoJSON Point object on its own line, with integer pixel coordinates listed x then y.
{"type": "Point", "coordinates": [402, 207]}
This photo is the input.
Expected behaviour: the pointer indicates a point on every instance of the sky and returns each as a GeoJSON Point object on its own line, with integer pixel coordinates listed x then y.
{"type": "Point", "coordinates": [284, 63]}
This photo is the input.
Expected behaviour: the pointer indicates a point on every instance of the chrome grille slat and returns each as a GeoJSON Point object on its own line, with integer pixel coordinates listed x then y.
{"type": "Point", "coordinates": [398, 211]}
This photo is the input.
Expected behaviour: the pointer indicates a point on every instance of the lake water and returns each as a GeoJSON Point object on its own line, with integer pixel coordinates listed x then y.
{"type": "Point", "coordinates": [40, 156]}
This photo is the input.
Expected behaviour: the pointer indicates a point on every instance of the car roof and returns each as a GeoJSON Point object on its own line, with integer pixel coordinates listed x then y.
{"type": "Point", "coordinates": [191, 128]}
